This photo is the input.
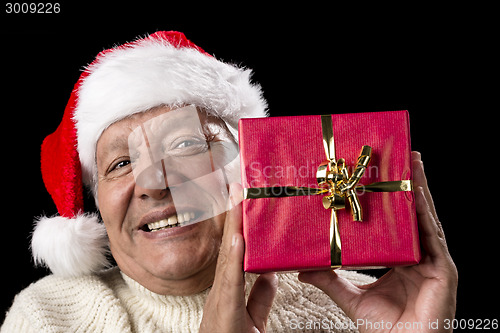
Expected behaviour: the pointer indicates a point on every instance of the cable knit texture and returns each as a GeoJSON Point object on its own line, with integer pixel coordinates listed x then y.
{"type": "Point", "coordinates": [112, 302]}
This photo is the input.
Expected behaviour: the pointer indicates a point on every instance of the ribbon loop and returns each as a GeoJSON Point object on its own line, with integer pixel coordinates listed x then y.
{"type": "Point", "coordinates": [342, 186]}
{"type": "Point", "coordinates": [361, 164]}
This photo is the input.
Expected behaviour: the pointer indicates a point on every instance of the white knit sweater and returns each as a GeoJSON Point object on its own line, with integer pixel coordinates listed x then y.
{"type": "Point", "coordinates": [113, 302]}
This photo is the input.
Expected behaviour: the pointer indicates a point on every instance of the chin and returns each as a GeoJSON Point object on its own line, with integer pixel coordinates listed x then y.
{"type": "Point", "coordinates": [184, 260]}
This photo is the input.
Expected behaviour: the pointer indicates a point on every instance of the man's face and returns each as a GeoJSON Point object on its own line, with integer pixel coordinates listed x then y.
{"type": "Point", "coordinates": [162, 196]}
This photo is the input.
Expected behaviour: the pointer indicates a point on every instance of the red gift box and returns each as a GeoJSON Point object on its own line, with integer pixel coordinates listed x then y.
{"type": "Point", "coordinates": [293, 233]}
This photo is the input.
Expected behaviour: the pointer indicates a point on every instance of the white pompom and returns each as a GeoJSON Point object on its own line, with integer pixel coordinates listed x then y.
{"type": "Point", "coordinates": [70, 247]}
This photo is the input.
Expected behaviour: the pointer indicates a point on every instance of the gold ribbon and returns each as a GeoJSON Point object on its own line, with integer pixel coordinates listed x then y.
{"type": "Point", "coordinates": [334, 181]}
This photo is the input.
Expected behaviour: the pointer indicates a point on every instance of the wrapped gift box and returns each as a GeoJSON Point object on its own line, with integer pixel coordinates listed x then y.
{"type": "Point", "coordinates": [293, 233]}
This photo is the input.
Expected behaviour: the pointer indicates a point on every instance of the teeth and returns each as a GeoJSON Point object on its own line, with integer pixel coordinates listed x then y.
{"type": "Point", "coordinates": [161, 223]}
{"type": "Point", "coordinates": [180, 218]}
{"type": "Point", "coordinates": [172, 221]}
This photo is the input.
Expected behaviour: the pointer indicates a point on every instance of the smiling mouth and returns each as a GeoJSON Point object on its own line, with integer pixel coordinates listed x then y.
{"type": "Point", "coordinates": [176, 220]}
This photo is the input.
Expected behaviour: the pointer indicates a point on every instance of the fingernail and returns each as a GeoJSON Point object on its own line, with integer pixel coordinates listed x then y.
{"type": "Point", "coordinates": [231, 195]}
{"type": "Point", "coordinates": [230, 201]}
{"type": "Point", "coordinates": [420, 190]}
{"type": "Point", "coordinates": [234, 240]}
{"type": "Point", "coordinates": [234, 194]}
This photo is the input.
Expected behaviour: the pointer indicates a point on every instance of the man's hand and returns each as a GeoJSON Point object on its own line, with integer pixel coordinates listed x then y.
{"type": "Point", "coordinates": [407, 295]}
{"type": "Point", "coordinates": [226, 309]}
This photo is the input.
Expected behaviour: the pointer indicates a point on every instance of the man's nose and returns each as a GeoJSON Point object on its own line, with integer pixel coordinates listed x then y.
{"type": "Point", "coordinates": [152, 182]}
{"type": "Point", "coordinates": [155, 194]}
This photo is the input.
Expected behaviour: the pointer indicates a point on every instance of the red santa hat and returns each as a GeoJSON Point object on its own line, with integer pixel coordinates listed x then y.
{"type": "Point", "coordinates": [164, 68]}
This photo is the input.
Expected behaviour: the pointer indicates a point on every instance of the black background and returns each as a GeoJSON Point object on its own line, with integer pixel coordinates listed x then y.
{"type": "Point", "coordinates": [437, 62]}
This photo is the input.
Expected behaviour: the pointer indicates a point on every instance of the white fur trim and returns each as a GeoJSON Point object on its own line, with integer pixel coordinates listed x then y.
{"type": "Point", "coordinates": [70, 247]}
{"type": "Point", "coordinates": [152, 73]}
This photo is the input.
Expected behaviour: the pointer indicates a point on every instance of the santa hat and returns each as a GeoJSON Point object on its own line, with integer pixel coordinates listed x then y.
{"type": "Point", "coordinates": [164, 68]}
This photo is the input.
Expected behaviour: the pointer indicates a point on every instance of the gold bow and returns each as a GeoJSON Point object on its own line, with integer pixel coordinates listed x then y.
{"type": "Point", "coordinates": [334, 180]}
{"type": "Point", "coordinates": [334, 175]}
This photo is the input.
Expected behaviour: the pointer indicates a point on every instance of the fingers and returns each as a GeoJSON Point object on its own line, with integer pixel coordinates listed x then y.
{"type": "Point", "coordinates": [431, 232]}
{"type": "Point", "coordinates": [419, 179]}
{"type": "Point", "coordinates": [261, 299]}
{"type": "Point", "coordinates": [225, 309]}
{"type": "Point", "coordinates": [229, 278]}
{"type": "Point", "coordinates": [434, 244]}
{"type": "Point", "coordinates": [234, 214]}
{"type": "Point", "coordinates": [232, 234]}
{"type": "Point", "coordinates": [228, 290]}
{"type": "Point", "coordinates": [341, 291]}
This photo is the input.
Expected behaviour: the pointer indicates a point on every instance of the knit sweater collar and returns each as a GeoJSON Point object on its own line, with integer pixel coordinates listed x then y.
{"type": "Point", "coordinates": [151, 312]}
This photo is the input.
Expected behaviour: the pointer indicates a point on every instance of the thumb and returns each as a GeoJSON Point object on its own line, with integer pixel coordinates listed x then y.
{"type": "Point", "coordinates": [261, 299]}
{"type": "Point", "coordinates": [341, 291]}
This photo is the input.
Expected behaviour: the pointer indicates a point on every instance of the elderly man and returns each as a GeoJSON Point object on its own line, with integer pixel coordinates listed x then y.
{"type": "Point", "coordinates": [150, 129]}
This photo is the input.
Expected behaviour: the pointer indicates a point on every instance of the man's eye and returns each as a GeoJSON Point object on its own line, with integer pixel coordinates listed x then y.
{"type": "Point", "coordinates": [191, 145]}
{"type": "Point", "coordinates": [186, 143]}
{"type": "Point", "coordinates": [187, 147]}
{"type": "Point", "coordinates": [120, 164]}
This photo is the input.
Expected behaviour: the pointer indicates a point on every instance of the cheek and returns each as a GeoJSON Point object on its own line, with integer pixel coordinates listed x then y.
{"type": "Point", "coordinates": [207, 243]}
{"type": "Point", "coordinates": [114, 198]}
{"type": "Point", "coordinates": [218, 226]}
